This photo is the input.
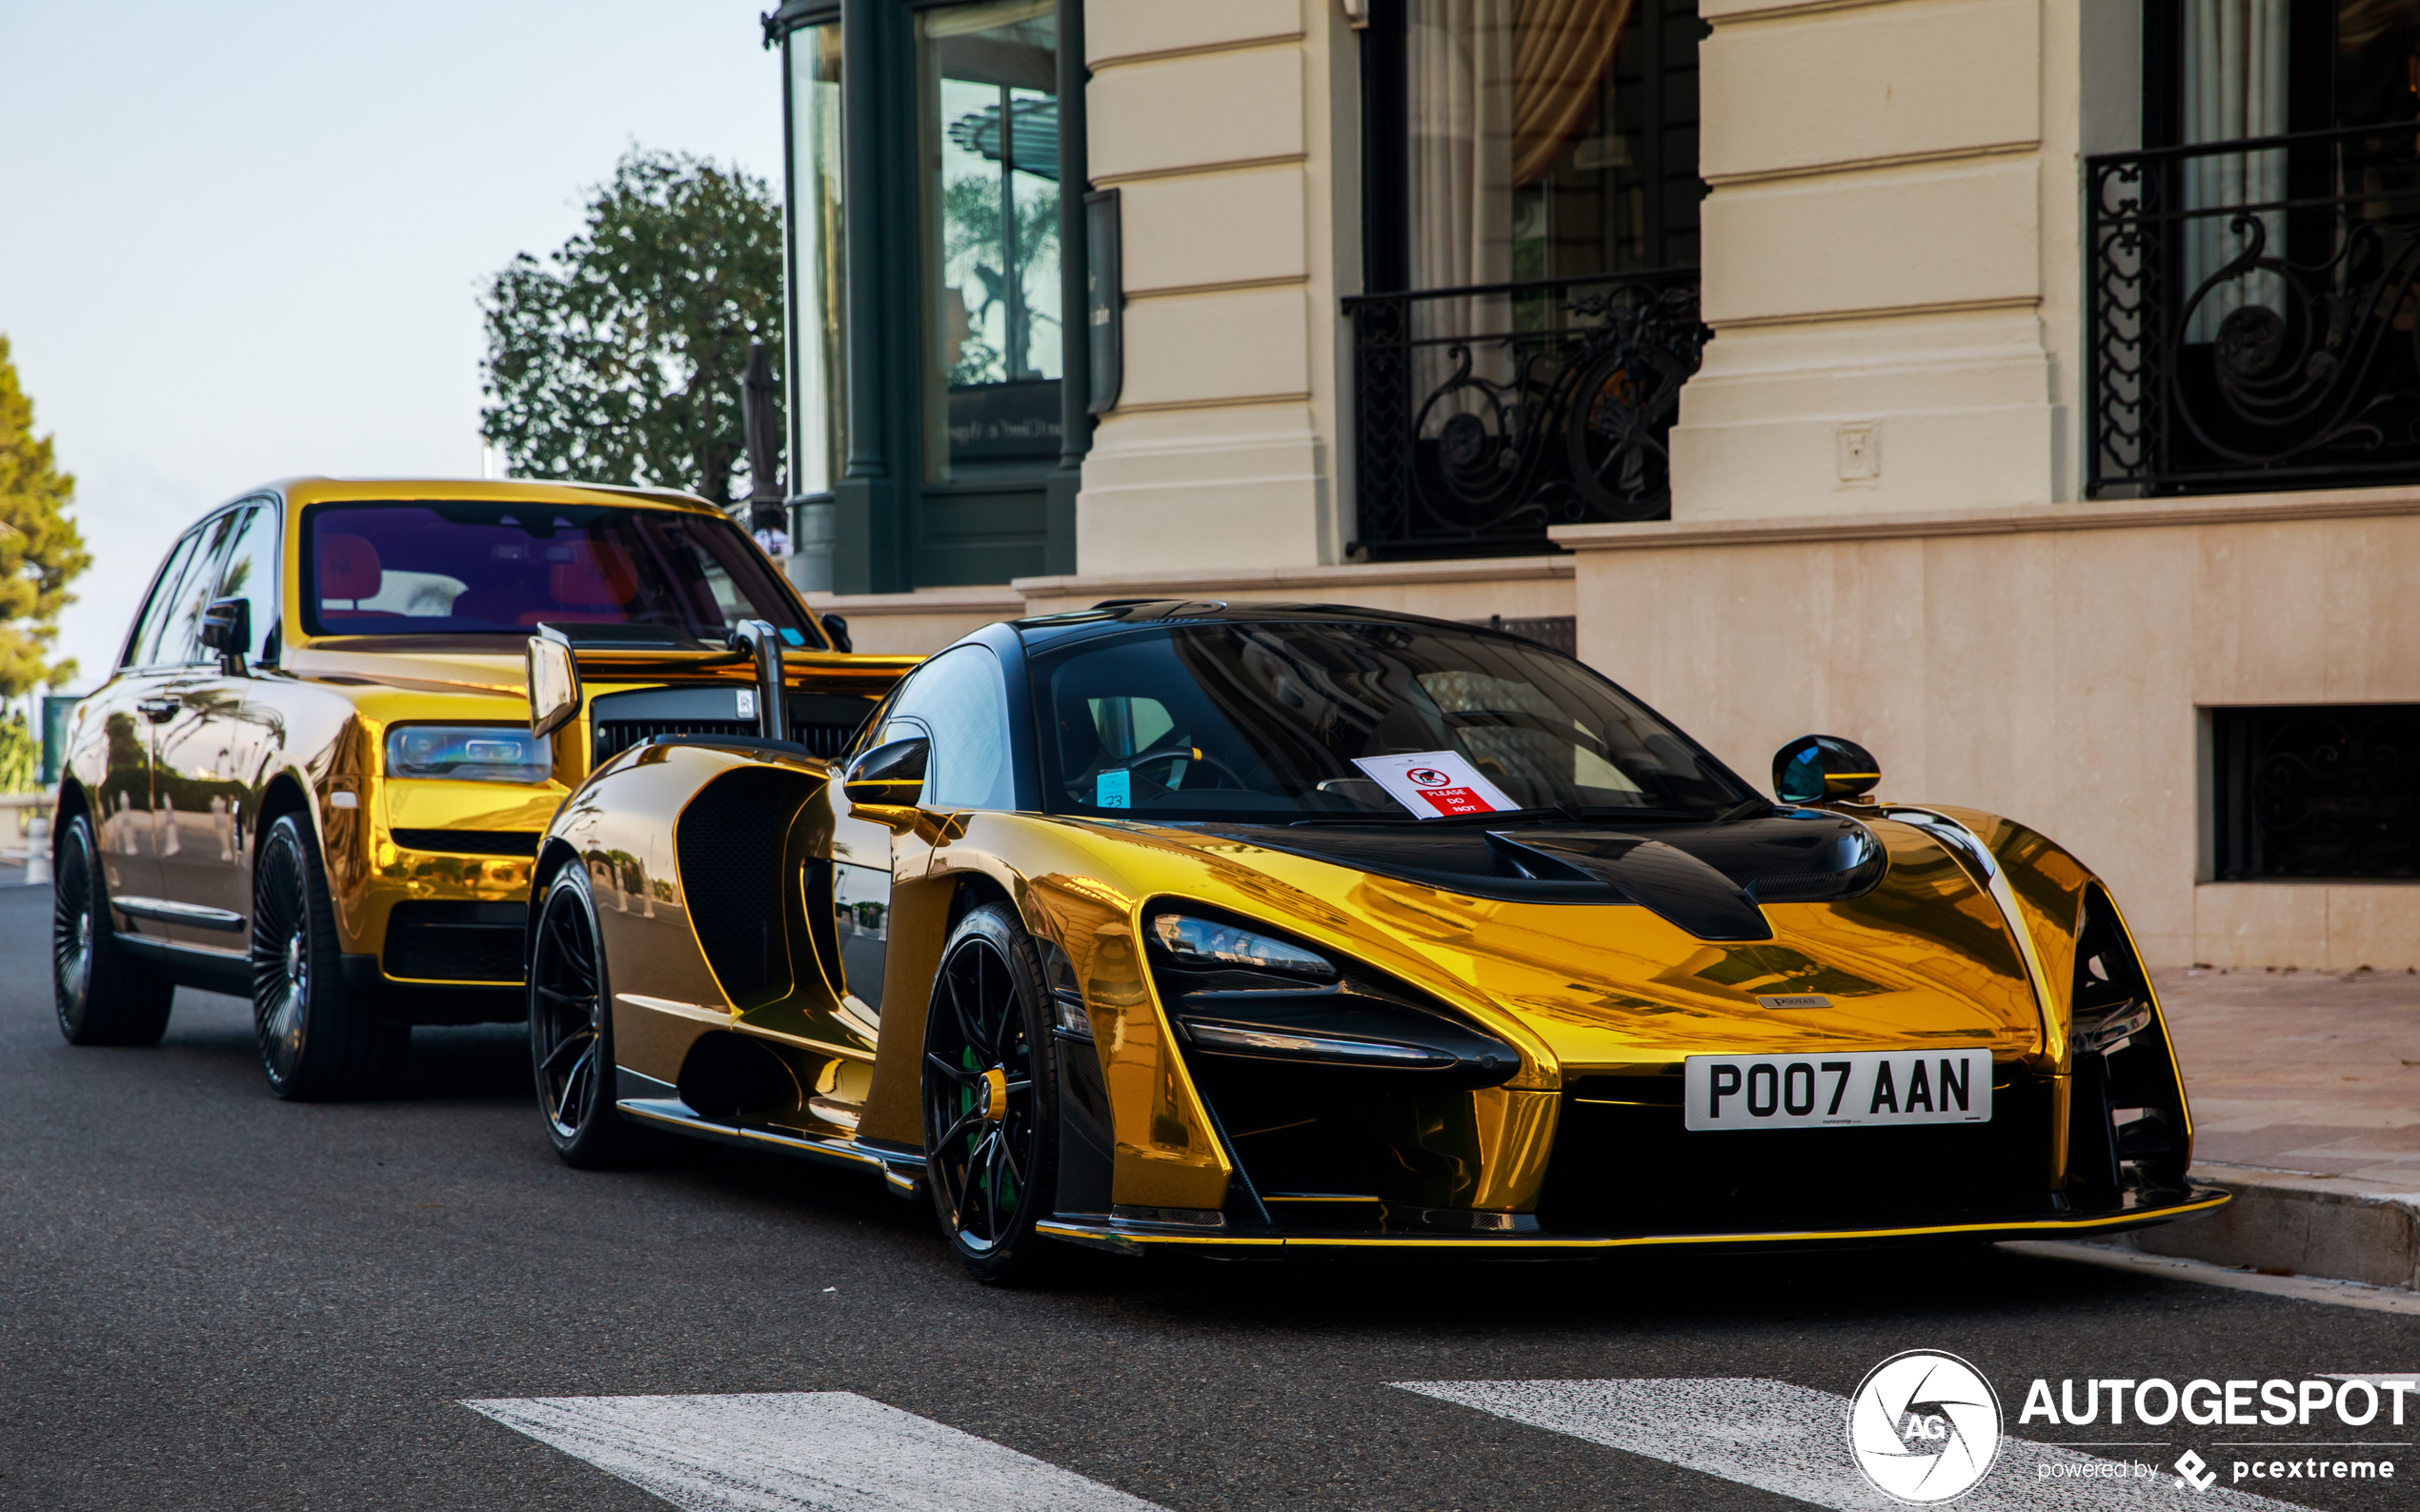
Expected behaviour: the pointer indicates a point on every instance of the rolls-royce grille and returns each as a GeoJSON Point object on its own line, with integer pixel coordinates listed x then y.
{"type": "Point", "coordinates": [613, 736]}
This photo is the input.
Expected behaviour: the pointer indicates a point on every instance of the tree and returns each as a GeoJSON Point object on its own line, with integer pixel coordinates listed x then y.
{"type": "Point", "coordinates": [618, 360]}
{"type": "Point", "coordinates": [41, 550]}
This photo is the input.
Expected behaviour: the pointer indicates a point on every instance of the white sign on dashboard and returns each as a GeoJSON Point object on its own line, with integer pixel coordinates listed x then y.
{"type": "Point", "coordinates": [1436, 784]}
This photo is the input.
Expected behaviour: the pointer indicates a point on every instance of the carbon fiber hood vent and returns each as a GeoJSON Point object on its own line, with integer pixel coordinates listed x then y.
{"type": "Point", "coordinates": [1708, 878]}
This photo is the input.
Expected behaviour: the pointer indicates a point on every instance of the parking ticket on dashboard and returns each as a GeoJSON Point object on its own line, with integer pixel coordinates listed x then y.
{"type": "Point", "coordinates": [1436, 784]}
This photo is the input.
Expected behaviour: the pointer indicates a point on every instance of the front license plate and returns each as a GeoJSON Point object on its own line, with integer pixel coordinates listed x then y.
{"type": "Point", "coordinates": [1855, 1089]}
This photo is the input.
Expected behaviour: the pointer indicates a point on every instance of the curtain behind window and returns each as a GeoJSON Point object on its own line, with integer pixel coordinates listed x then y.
{"type": "Point", "coordinates": [2234, 88]}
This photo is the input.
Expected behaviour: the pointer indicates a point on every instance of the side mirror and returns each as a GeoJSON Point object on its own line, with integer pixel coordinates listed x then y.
{"type": "Point", "coordinates": [1816, 768]}
{"type": "Point", "coordinates": [837, 629]}
{"type": "Point", "coordinates": [890, 776]}
{"type": "Point", "coordinates": [227, 629]}
{"type": "Point", "coordinates": [555, 685]}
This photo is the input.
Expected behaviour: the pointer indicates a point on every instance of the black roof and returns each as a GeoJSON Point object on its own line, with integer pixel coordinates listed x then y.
{"type": "Point", "coordinates": [1125, 614]}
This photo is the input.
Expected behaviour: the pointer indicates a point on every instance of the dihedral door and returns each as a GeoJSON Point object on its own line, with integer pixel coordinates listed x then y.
{"type": "Point", "coordinates": [860, 907]}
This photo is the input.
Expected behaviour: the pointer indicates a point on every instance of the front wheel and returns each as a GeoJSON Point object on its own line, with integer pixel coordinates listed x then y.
{"type": "Point", "coordinates": [318, 1040]}
{"type": "Point", "coordinates": [104, 996]}
{"type": "Point", "coordinates": [991, 1105]}
{"type": "Point", "coordinates": [571, 1029]}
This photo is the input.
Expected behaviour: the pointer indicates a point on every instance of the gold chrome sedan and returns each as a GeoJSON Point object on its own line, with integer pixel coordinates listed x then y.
{"type": "Point", "coordinates": [311, 781]}
{"type": "Point", "coordinates": [1296, 930]}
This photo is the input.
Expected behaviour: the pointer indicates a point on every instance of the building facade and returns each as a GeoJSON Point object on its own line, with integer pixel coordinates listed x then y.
{"type": "Point", "coordinates": [2028, 390]}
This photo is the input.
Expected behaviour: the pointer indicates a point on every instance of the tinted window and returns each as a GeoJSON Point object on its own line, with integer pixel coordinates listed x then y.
{"type": "Point", "coordinates": [957, 701]}
{"type": "Point", "coordinates": [174, 636]}
{"type": "Point", "coordinates": [155, 609]}
{"type": "Point", "coordinates": [488, 566]}
{"type": "Point", "coordinates": [250, 571]}
{"type": "Point", "coordinates": [1219, 720]}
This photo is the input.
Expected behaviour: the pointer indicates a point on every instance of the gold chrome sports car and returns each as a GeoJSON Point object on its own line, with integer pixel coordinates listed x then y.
{"type": "Point", "coordinates": [1286, 930]}
{"type": "Point", "coordinates": [311, 780]}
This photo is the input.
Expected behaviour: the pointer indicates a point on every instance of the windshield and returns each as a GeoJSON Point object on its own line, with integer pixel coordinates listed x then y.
{"type": "Point", "coordinates": [1354, 722]}
{"type": "Point", "coordinates": [478, 566]}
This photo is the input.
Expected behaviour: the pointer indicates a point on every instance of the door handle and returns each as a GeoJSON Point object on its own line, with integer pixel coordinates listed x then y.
{"type": "Point", "coordinates": [159, 711]}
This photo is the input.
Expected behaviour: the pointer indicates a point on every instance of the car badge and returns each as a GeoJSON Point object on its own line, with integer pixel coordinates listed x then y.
{"type": "Point", "coordinates": [1805, 999]}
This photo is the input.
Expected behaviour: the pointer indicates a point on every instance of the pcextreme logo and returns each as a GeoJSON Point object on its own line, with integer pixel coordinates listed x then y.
{"type": "Point", "coordinates": [1923, 1427]}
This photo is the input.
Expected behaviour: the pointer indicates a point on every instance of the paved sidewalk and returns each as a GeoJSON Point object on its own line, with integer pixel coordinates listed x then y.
{"type": "Point", "coordinates": [2305, 1093]}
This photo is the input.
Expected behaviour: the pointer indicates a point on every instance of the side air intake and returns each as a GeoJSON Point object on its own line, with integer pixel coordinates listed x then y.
{"type": "Point", "coordinates": [729, 843]}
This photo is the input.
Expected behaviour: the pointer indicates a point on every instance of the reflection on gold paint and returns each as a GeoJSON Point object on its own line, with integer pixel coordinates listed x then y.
{"type": "Point", "coordinates": [1516, 1138]}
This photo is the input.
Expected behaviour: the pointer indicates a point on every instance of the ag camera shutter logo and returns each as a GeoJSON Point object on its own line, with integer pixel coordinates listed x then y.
{"type": "Point", "coordinates": [1923, 1427]}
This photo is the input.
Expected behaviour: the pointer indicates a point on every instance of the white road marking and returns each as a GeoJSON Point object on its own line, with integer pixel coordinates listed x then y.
{"type": "Point", "coordinates": [2307, 1288]}
{"type": "Point", "coordinates": [1792, 1441]}
{"type": "Point", "coordinates": [800, 1451]}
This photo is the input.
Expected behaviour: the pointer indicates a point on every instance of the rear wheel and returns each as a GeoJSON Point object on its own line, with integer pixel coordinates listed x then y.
{"type": "Point", "coordinates": [991, 1108]}
{"type": "Point", "coordinates": [318, 1040]}
{"type": "Point", "coordinates": [571, 1029]}
{"type": "Point", "coordinates": [104, 996]}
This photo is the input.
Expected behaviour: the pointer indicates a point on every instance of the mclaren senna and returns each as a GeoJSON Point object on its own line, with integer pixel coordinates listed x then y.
{"type": "Point", "coordinates": [1281, 930]}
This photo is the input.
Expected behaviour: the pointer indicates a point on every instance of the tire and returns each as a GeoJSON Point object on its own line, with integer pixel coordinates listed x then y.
{"type": "Point", "coordinates": [104, 996]}
{"type": "Point", "coordinates": [991, 1100]}
{"type": "Point", "coordinates": [320, 1042]}
{"type": "Point", "coordinates": [572, 1030]}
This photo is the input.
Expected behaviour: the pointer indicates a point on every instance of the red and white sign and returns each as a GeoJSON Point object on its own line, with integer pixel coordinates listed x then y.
{"type": "Point", "coordinates": [1436, 784]}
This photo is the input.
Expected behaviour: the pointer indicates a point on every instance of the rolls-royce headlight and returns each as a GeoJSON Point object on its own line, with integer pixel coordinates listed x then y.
{"type": "Point", "coordinates": [1202, 944]}
{"type": "Point", "coordinates": [465, 753]}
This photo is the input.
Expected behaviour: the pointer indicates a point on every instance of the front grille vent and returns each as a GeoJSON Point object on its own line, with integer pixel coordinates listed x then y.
{"type": "Point", "coordinates": [432, 941]}
{"type": "Point", "coordinates": [613, 736]}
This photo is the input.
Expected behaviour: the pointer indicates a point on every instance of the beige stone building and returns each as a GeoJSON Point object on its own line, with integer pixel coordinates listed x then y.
{"type": "Point", "coordinates": [1946, 374]}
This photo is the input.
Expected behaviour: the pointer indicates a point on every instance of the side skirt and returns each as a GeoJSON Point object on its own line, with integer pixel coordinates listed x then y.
{"type": "Point", "coordinates": [898, 1168]}
{"type": "Point", "coordinates": [195, 967]}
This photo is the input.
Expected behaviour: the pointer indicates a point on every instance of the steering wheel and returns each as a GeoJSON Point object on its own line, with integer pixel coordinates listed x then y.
{"type": "Point", "coordinates": [1180, 748]}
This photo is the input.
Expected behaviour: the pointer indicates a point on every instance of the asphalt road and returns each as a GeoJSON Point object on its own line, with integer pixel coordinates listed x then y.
{"type": "Point", "coordinates": [212, 1299]}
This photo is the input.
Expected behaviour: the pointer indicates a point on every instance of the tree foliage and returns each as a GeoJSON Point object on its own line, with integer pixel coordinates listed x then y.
{"type": "Point", "coordinates": [41, 550]}
{"type": "Point", "coordinates": [619, 358]}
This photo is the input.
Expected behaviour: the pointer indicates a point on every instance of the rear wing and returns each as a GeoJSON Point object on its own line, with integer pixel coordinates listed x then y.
{"type": "Point", "coordinates": [563, 657]}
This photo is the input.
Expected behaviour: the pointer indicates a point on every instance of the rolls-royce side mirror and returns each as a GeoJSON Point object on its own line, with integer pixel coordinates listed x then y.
{"type": "Point", "coordinates": [837, 629]}
{"type": "Point", "coordinates": [555, 684]}
{"type": "Point", "coordinates": [1814, 768]}
{"type": "Point", "coordinates": [226, 629]}
{"type": "Point", "coordinates": [890, 776]}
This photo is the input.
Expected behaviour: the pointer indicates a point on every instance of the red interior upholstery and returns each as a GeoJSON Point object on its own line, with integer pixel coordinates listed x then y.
{"type": "Point", "coordinates": [349, 568]}
{"type": "Point", "coordinates": [598, 576]}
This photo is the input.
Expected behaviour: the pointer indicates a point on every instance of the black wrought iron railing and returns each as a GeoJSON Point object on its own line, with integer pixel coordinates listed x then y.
{"type": "Point", "coordinates": [2250, 313]}
{"type": "Point", "coordinates": [1485, 415]}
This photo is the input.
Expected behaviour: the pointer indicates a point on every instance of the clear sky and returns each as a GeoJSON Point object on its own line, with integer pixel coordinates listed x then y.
{"type": "Point", "coordinates": [245, 240]}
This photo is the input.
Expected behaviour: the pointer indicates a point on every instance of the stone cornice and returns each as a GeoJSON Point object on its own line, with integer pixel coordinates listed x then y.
{"type": "Point", "coordinates": [2099, 514]}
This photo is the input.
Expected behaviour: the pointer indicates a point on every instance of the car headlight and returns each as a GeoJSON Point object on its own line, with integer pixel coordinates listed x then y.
{"type": "Point", "coordinates": [468, 752]}
{"type": "Point", "coordinates": [1201, 944]}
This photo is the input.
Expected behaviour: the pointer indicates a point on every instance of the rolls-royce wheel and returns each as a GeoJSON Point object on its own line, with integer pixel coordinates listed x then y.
{"type": "Point", "coordinates": [571, 1029]}
{"type": "Point", "coordinates": [319, 1041]}
{"type": "Point", "coordinates": [105, 996]}
{"type": "Point", "coordinates": [991, 1107]}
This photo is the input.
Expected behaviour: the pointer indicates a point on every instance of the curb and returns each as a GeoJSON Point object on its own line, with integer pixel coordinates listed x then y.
{"type": "Point", "coordinates": [2294, 1224]}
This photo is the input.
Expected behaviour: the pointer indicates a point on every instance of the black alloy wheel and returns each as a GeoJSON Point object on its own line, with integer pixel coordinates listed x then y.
{"type": "Point", "coordinates": [319, 1041]}
{"type": "Point", "coordinates": [104, 996]}
{"type": "Point", "coordinates": [571, 1029]}
{"type": "Point", "coordinates": [991, 1106]}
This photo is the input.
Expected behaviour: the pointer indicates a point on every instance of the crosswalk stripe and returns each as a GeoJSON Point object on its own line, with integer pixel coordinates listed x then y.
{"type": "Point", "coordinates": [1792, 1441]}
{"type": "Point", "coordinates": [800, 1451]}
